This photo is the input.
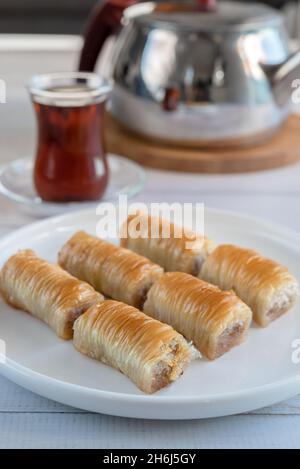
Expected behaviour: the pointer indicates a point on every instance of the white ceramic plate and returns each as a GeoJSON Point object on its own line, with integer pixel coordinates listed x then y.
{"type": "Point", "coordinates": [258, 373]}
{"type": "Point", "coordinates": [16, 184]}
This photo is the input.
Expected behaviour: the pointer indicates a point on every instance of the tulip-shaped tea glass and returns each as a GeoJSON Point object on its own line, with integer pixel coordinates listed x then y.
{"type": "Point", "coordinates": [71, 162]}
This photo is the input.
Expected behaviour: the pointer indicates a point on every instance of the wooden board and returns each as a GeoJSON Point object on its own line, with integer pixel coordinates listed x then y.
{"type": "Point", "coordinates": [281, 149]}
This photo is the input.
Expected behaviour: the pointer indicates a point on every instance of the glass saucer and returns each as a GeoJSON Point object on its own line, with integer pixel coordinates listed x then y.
{"type": "Point", "coordinates": [16, 184]}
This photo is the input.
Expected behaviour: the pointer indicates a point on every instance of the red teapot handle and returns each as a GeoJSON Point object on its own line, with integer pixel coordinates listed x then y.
{"type": "Point", "coordinates": [207, 5]}
{"type": "Point", "coordinates": [104, 21]}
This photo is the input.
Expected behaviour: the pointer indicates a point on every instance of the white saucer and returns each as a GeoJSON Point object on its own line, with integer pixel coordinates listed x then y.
{"type": "Point", "coordinates": [258, 373]}
{"type": "Point", "coordinates": [16, 184]}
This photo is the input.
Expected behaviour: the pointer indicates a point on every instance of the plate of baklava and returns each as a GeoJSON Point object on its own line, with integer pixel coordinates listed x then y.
{"type": "Point", "coordinates": [159, 327]}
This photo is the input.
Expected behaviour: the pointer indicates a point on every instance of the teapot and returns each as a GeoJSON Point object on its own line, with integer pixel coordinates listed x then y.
{"type": "Point", "coordinates": [195, 72]}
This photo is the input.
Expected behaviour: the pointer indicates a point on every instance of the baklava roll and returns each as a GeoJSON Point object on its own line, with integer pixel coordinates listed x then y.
{"type": "Point", "coordinates": [174, 248]}
{"type": "Point", "coordinates": [215, 321]}
{"type": "Point", "coordinates": [116, 272]}
{"type": "Point", "coordinates": [148, 352]}
{"type": "Point", "coordinates": [46, 291]}
{"type": "Point", "coordinates": [267, 287]}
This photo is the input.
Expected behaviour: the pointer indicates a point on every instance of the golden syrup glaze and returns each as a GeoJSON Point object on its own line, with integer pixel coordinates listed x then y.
{"type": "Point", "coordinates": [178, 251]}
{"type": "Point", "coordinates": [196, 309]}
{"type": "Point", "coordinates": [127, 339]}
{"type": "Point", "coordinates": [254, 278]}
{"type": "Point", "coordinates": [115, 271]}
{"type": "Point", "coordinates": [45, 290]}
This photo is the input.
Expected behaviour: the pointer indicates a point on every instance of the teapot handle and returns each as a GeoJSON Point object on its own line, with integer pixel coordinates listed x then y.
{"type": "Point", "coordinates": [104, 21]}
{"type": "Point", "coordinates": [207, 5]}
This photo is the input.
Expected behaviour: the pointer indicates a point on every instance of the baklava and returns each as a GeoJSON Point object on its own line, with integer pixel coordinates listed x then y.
{"type": "Point", "coordinates": [266, 286]}
{"type": "Point", "coordinates": [148, 352]}
{"type": "Point", "coordinates": [175, 248]}
{"type": "Point", "coordinates": [214, 320]}
{"type": "Point", "coordinates": [114, 271]}
{"type": "Point", "coordinates": [46, 291]}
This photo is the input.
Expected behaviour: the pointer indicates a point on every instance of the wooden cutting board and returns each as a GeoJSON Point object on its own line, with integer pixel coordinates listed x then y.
{"type": "Point", "coordinates": [281, 149]}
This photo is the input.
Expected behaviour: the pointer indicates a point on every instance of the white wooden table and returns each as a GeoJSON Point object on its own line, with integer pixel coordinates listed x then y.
{"type": "Point", "coordinates": [30, 421]}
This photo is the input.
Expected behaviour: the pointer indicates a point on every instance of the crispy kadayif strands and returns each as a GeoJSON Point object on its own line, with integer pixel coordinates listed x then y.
{"type": "Point", "coordinates": [46, 291]}
{"type": "Point", "coordinates": [268, 288]}
{"type": "Point", "coordinates": [215, 321]}
{"type": "Point", "coordinates": [182, 251]}
{"type": "Point", "coordinates": [148, 352]}
{"type": "Point", "coordinates": [114, 271]}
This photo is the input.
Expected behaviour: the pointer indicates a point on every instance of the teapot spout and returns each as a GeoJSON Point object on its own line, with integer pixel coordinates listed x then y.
{"type": "Point", "coordinates": [281, 77]}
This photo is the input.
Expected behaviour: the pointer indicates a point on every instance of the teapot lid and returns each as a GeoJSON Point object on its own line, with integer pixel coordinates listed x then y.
{"type": "Point", "coordinates": [187, 15]}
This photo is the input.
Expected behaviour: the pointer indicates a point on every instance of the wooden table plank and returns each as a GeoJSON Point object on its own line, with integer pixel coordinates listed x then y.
{"type": "Point", "coordinates": [98, 431]}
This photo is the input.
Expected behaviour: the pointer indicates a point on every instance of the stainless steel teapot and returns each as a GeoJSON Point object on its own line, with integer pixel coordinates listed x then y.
{"type": "Point", "coordinates": [195, 72]}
